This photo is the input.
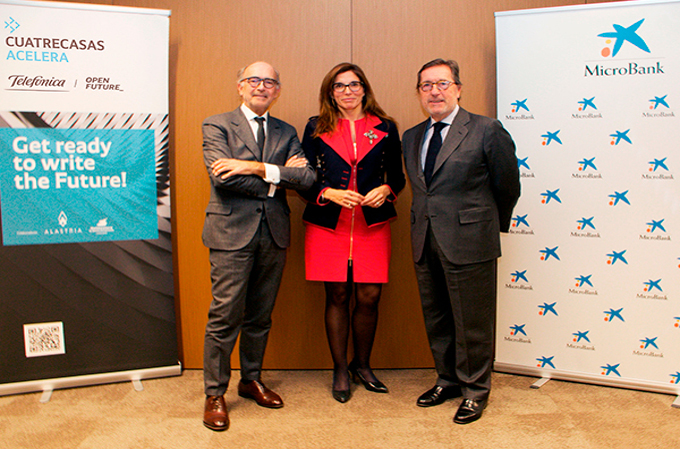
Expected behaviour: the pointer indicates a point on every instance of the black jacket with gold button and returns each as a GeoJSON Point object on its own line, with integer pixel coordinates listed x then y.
{"type": "Point", "coordinates": [379, 162]}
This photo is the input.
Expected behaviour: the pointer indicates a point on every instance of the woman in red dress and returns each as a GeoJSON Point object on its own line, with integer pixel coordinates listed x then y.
{"type": "Point", "coordinates": [356, 150]}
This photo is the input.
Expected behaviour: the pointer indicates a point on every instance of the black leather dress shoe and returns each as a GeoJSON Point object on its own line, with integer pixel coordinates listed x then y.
{"type": "Point", "coordinates": [341, 395]}
{"type": "Point", "coordinates": [375, 387]}
{"type": "Point", "coordinates": [469, 410]}
{"type": "Point", "coordinates": [437, 395]}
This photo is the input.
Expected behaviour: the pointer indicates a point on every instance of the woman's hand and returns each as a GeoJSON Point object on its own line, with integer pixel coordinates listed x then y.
{"type": "Point", "coordinates": [376, 197]}
{"type": "Point", "coordinates": [344, 198]}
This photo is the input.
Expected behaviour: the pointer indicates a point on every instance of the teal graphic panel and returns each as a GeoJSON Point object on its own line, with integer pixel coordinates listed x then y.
{"type": "Point", "coordinates": [77, 185]}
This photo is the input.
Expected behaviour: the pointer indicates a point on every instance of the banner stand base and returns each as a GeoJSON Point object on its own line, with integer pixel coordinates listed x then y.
{"type": "Point", "coordinates": [540, 382]}
{"type": "Point", "coordinates": [47, 386]}
{"type": "Point", "coordinates": [571, 376]}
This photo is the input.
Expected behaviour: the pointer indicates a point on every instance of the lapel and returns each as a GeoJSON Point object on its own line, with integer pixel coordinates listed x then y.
{"type": "Point", "coordinates": [453, 139]}
{"type": "Point", "coordinates": [271, 143]}
{"type": "Point", "coordinates": [243, 131]}
{"type": "Point", "coordinates": [367, 135]}
{"type": "Point", "coordinates": [415, 160]}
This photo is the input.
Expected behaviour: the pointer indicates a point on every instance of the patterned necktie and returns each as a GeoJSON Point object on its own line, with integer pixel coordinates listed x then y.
{"type": "Point", "coordinates": [433, 150]}
{"type": "Point", "coordinates": [260, 132]}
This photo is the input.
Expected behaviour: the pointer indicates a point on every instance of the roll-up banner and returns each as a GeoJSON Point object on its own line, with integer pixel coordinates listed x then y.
{"type": "Point", "coordinates": [86, 274]}
{"type": "Point", "coordinates": [589, 280]}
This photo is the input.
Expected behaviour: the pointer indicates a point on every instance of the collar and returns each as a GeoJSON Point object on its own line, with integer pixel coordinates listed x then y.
{"type": "Point", "coordinates": [448, 119]}
{"type": "Point", "coordinates": [250, 115]}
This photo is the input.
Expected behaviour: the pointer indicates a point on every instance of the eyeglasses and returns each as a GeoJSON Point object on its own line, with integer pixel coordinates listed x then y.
{"type": "Point", "coordinates": [254, 82]}
{"type": "Point", "coordinates": [354, 86]}
{"type": "Point", "coordinates": [441, 85]}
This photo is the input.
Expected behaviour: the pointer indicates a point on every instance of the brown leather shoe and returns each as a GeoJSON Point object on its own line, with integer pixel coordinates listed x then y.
{"type": "Point", "coordinates": [262, 395]}
{"type": "Point", "coordinates": [215, 416]}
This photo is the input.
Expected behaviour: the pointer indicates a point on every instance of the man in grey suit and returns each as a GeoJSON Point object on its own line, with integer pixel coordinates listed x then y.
{"type": "Point", "coordinates": [465, 181]}
{"type": "Point", "coordinates": [251, 158]}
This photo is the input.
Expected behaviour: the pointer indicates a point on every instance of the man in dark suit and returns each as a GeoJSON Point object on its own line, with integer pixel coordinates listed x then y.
{"type": "Point", "coordinates": [465, 182]}
{"type": "Point", "coordinates": [251, 158]}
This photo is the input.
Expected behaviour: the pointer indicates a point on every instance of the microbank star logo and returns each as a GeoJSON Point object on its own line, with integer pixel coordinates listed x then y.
{"type": "Point", "coordinates": [11, 25]}
{"type": "Point", "coordinates": [658, 101]}
{"type": "Point", "coordinates": [656, 224]}
{"type": "Point", "coordinates": [647, 342]}
{"type": "Point", "coordinates": [518, 105]}
{"type": "Point", "coordinates": [515, 337]}
{"type": "Point", "coordinates": [658, 163]}
{"type": "Point", "coordinates": [611, 314]}
{"type": "Point", "coordinates": [547, 308]}
{"type": "Point", "coordinates": [618, 196]}
{"type": "Point", "coordinates": [584, 286]}
{"type": "Point", "coordinates": [548, 137]}
{"type": "Point", "coordinates": [519, 276]}
{"type": "Point", "coordinates": [578, 336]}
{"type": "Point", "coordinates": [609, 369]}
{"type": "Point", "coordinates": [549, 195]}
{"type": "Point", "coordinates": [585, 228]}
{"type": "Point", "coordinates": [585, 223]}
{"type": "Point", "coordinates": [545, 361]}
{"type": "Point", "coordinates": [675, 377]}
{"type": "Point", "coordinates": [587, 103]}
{"type": "Point", "coordinates": [523, 163]}
{"type": "Point", "coordinates": [649, 288]}
{"type": "Point", "coordinates": [583, 280]}
{"type": "Point", "coordinates": [520, 220]}
{"type": "Point", "coordinates": [585, 163]}
{"type": "Point", "coordinates": [618, 136]}
{"type": "Point", "coordinates": [519, 281]}
{"type": "Point", "coordinates": [622, 35]}
{"type": "Point", "coordinates": [615, 256]}
{"type": "Point", "coordinates": [677, 321]}
{"type": "Point", "coordinates": [651, 285]}
{"type": "Point", "coordinates": [520, 111]}
{"type": "Point", "coordinates": [547, 253]}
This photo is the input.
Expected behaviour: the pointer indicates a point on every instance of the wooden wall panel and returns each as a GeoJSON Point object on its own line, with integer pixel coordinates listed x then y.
{"type": "Point", "coordinates": [390, 39]}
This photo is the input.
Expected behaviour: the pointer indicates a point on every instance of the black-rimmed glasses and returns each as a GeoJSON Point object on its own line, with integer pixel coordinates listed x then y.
{"type": "Point", "coordinates": [254, 82]}
{"type": "Point", "coordinates": [354, 86]}
{"type": "Point", "coordinates": [441, 85]}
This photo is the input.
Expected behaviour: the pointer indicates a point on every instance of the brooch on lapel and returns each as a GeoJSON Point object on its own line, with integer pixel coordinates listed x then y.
{"type": "Point", "coordinates": [371, 135]}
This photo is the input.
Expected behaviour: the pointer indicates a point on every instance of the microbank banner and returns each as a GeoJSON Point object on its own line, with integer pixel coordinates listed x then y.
{"type": "Point", "coordinates": [589, 281]}
{"type": "Point", "coordinates": [86, 251]}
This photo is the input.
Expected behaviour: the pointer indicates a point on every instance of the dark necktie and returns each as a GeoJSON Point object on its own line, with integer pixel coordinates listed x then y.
{"type": "Point", "coordinates": [433, 150]}
{"type": "Point", "coordinates": [260, 132]}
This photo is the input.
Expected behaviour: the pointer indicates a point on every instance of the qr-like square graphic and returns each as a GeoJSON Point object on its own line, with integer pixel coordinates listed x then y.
{"type": "Point", "coordinates": [42, 339]}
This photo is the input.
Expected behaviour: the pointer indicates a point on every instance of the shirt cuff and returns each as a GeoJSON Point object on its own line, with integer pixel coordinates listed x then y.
{"type": "Point", "coordinates": [272, 175]}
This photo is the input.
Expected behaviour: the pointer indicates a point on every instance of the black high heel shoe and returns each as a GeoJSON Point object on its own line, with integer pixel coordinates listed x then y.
{"type": "Point", "coordinates": [376, 387]}
{"type": "Point", "coordinates": [341, 395]}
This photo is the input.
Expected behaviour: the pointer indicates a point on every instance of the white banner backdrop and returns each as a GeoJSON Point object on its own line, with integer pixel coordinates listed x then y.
{"type": "Point", "coordinates": [589, 281]}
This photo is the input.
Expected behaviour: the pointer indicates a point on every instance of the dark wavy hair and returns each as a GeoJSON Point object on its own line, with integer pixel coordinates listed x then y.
{"type": "Point", "coordinates": [329, 114]}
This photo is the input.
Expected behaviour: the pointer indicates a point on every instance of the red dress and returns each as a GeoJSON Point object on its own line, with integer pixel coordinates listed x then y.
{"type": "Point", "coordinates": [327, 251]}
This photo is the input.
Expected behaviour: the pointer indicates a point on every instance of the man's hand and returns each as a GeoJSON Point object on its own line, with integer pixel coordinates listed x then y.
{"type": "Point", "coordinates": [226, 168]}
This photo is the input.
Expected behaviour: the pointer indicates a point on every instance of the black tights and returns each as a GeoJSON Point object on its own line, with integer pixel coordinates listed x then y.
{"type": "Point", "coordinates": [364, 323]}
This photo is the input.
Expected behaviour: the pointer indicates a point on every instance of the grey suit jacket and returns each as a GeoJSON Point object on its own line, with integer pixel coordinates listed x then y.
{"type": "Point", "coordinates": [474, 187]}
{"type": "Point", "coordinates": [237, 204]}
